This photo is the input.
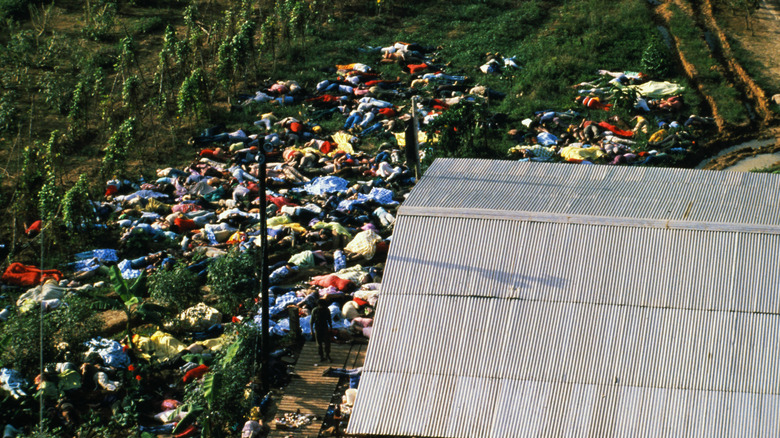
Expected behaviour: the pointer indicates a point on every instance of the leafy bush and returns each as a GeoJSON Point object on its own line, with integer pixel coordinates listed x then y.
{"type": "Point", "coordinates": [148, 25]}
{"type": "Point", "coordinates": [232, 278]}
{"type": "Point", "coordinates": [8, 112]}
{"type": "Point", "coordinates": [192, 97]}
{"type": "Point", "coordinates": [463, 131]}
{"type": "Point", "coordinates": [77, 210]}
{"type": "Point", "coordinates": [222, 391]}
{"type": "Point", "coordinates": [177, 287]}
{"type": "Point", "coordinates": [657, 59]}
{"type": "Point", "coordinates": [118, 148]}
{"type": "Point", "coordinates": [18, 9]}
{"type": "Point", "coordinates": [74, 322]}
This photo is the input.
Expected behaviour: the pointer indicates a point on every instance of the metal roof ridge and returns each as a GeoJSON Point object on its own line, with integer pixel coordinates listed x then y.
{"type": "Point", "coordinates": [585, 303]}
{"type": "Point", "coordinates": [562, 218]}
{"type": "Point", "coordinates": [571, 382]}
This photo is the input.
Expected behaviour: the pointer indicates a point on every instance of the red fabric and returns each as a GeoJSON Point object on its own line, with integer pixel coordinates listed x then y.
{"type": "Point", "coordinates": [379, 81]}
{"type": "Point", "coordinates": [211, 154]}
{"type": "Point", "coordinates": [331, 280]}
{"type": "Point", "coordinates": [326, 98]}
{"type": "Point", "coordinates": [595, 103]}
{"type": "Point", "coordinates": [388, 112]}
{"type": "Point", "coordinates": [184, 224]}
{"type": "Point", "coordinates": [290, 153]}
{"type": "Point", "coordinates": [296, 127]}
{"type": "Point", "coordinates": [191, 430]}
{"type": "Point", "coordinates": [381, 248]}
{"type": "Point", "coordinates": [195, 373]}
{"type": "Point", "coordinates": [615, 130]}
{"type": "Point", "coordinates": [34, 228]}
{"type": "Point", "coordinates": [279, 201]}
{"type": "Point", "coordinates": [326, 147]}
{"type": "Point", "coordinates": [360, 302]}
{"type": "Point", "coordinates": [254, 189]}
{"type": "Point", "coordinates": [24, 275]}
{"type": "Point", "coordinates": [417, 68]}
{"type": "Point", "coordinates": [111, 190]}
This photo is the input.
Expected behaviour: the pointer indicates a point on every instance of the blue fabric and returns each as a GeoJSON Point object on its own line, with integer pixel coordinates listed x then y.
{"type": "Point", "coordinates": [127, 271]}
{"type": "Point", "coordinates": [382, 196]}
{"type": "Point", "coordinates": [282, 302]}
{"type": "Point", "coordinates": [110, 351]}
{"type": "Point", "coordinates": [546, 139]}
{"type": "Point", "coordinates": [12, 381]}
{"type": "Point", "coordinates": [377, 194]}
{"type": "Point", "coordinates": [102, 255]}
{"type": "Point", "coordinates": [323, 185]}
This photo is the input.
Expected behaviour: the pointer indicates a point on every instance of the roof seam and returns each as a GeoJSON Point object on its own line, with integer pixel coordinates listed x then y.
{"type": "Point", "coordinates": [589, 303]}
{"type": "Point", "coordinates": [367, 371]}
{"type": "Point", "coordinates": [561, 218]}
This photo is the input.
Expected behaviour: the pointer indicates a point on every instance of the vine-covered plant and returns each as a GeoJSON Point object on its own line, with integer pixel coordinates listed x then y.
{"type": "Point", "coordinates": [192, 99]}
{"type": "Point", "coordinates": [77, 210]}
{"type": "Point", "coordinates": [118, 147]}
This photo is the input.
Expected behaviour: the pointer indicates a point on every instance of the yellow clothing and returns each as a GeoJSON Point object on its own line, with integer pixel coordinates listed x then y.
{"type": "Point", "coordinates": [333, 226]}
{"type": "Point", "coordinates": [364, 244]}
{"type": "Point", "coordinates": [159, 346]}
{"type": "Point", "coordinates": [214, 344]}
{"type": "Point", "coordinates": [422, 137]}
{"type": "Point", "coordinates": [657, 136]}
{"type": "Point", "coordinates": [570, 153]}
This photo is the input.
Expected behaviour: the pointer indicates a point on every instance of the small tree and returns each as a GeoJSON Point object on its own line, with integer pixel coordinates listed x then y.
{"type": "Point", "coordinates": [656, 59]}
{"type": "Point", "coordinates": [118, 148]}
{"type": "Point", "coordinates": [232, 278]}
{"type": "Point", "coordinates": [192, 97]}
{"type": "Point", "coordinates": [130, 92]}
{"type": "Point", "coordinates": [77, 114]}
{"type": "Point", "coordinates": [177, 287]}
{"type": "Point", "coordinates": [76, 207]}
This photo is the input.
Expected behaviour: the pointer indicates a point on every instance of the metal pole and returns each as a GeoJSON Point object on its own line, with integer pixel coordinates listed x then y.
{"type": "Point", "coordinates": [265, 352]}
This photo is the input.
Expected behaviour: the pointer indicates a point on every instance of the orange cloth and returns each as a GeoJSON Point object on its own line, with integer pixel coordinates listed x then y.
{"type": "Point", "coordinates": [184, 224]}
{"type": "Point", "coordinates": [24, 275]}
{"type": "Point", "coordinates": [195, 373]}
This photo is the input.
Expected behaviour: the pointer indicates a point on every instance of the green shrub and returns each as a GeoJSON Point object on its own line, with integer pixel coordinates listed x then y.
{"type": "Point", "coordinates": [177, 287]}
{"type": "Point", "coordinates": [656, 59]}
{"type": "Point", "coordinates": [148, 25]}
{"type": "Point", "coordinates": [18, 9]}
{"type": "Point", "coordinates": [75, 322]}
{"type": "Point", "coordinates": [232, 278]}
{"type": "Point", "coordinates": [8, 112]}
{"type": "Point", "coordinates": [221, 394]}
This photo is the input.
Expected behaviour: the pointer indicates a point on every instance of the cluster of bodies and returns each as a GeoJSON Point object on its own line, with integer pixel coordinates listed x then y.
{"type": "Point", "coordinates": [655, 134]}
{"type": "Point", "coordinates": [329, 211]}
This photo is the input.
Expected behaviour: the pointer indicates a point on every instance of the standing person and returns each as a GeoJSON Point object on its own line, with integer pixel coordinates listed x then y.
{"type": "Point", "coordinates": [295, 324]}
{"type": "Point", "coordinates": [321, 326]}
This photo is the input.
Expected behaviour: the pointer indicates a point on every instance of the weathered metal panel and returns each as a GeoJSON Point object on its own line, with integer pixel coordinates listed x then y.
{"type": "Point", "coordinates": [528, 322]}
{"type": "Point", "coordinates": [619, 191]}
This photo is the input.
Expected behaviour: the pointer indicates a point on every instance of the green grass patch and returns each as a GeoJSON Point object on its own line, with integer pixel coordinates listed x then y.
{"type": "Point", "coordinates": [714, 83]}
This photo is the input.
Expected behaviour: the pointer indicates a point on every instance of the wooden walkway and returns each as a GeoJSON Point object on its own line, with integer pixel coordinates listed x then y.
{"type": "Point", "coordinates": [311, 392]}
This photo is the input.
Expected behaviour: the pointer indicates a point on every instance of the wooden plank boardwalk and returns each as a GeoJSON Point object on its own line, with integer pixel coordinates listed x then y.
{"type": "Point", "coordinates": [311, 392]}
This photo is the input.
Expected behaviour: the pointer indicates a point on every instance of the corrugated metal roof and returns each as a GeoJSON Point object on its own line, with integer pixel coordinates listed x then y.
{"type": "Point", "coordinates": [601, 191]}
{"type": "Point", "coordinates": [501, 316]}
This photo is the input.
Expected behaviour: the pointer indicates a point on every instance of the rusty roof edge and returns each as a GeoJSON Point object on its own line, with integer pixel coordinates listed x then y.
{"type": "Point", "coordinates": [532, 216]}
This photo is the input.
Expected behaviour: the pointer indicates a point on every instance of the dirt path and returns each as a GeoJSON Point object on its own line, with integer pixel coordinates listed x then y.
{"type": "Point", "coordinates": [764, 39]}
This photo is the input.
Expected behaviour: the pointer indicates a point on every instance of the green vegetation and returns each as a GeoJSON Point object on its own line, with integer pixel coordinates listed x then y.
{"type": "Point", "coordinates": [708, 72]}
{"type": "Point", "coordinates": [177, 287]}
{"type": "Point", "coordinates": [232, 278]}
{"type": "Point", "coordinates": [95, 90]}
